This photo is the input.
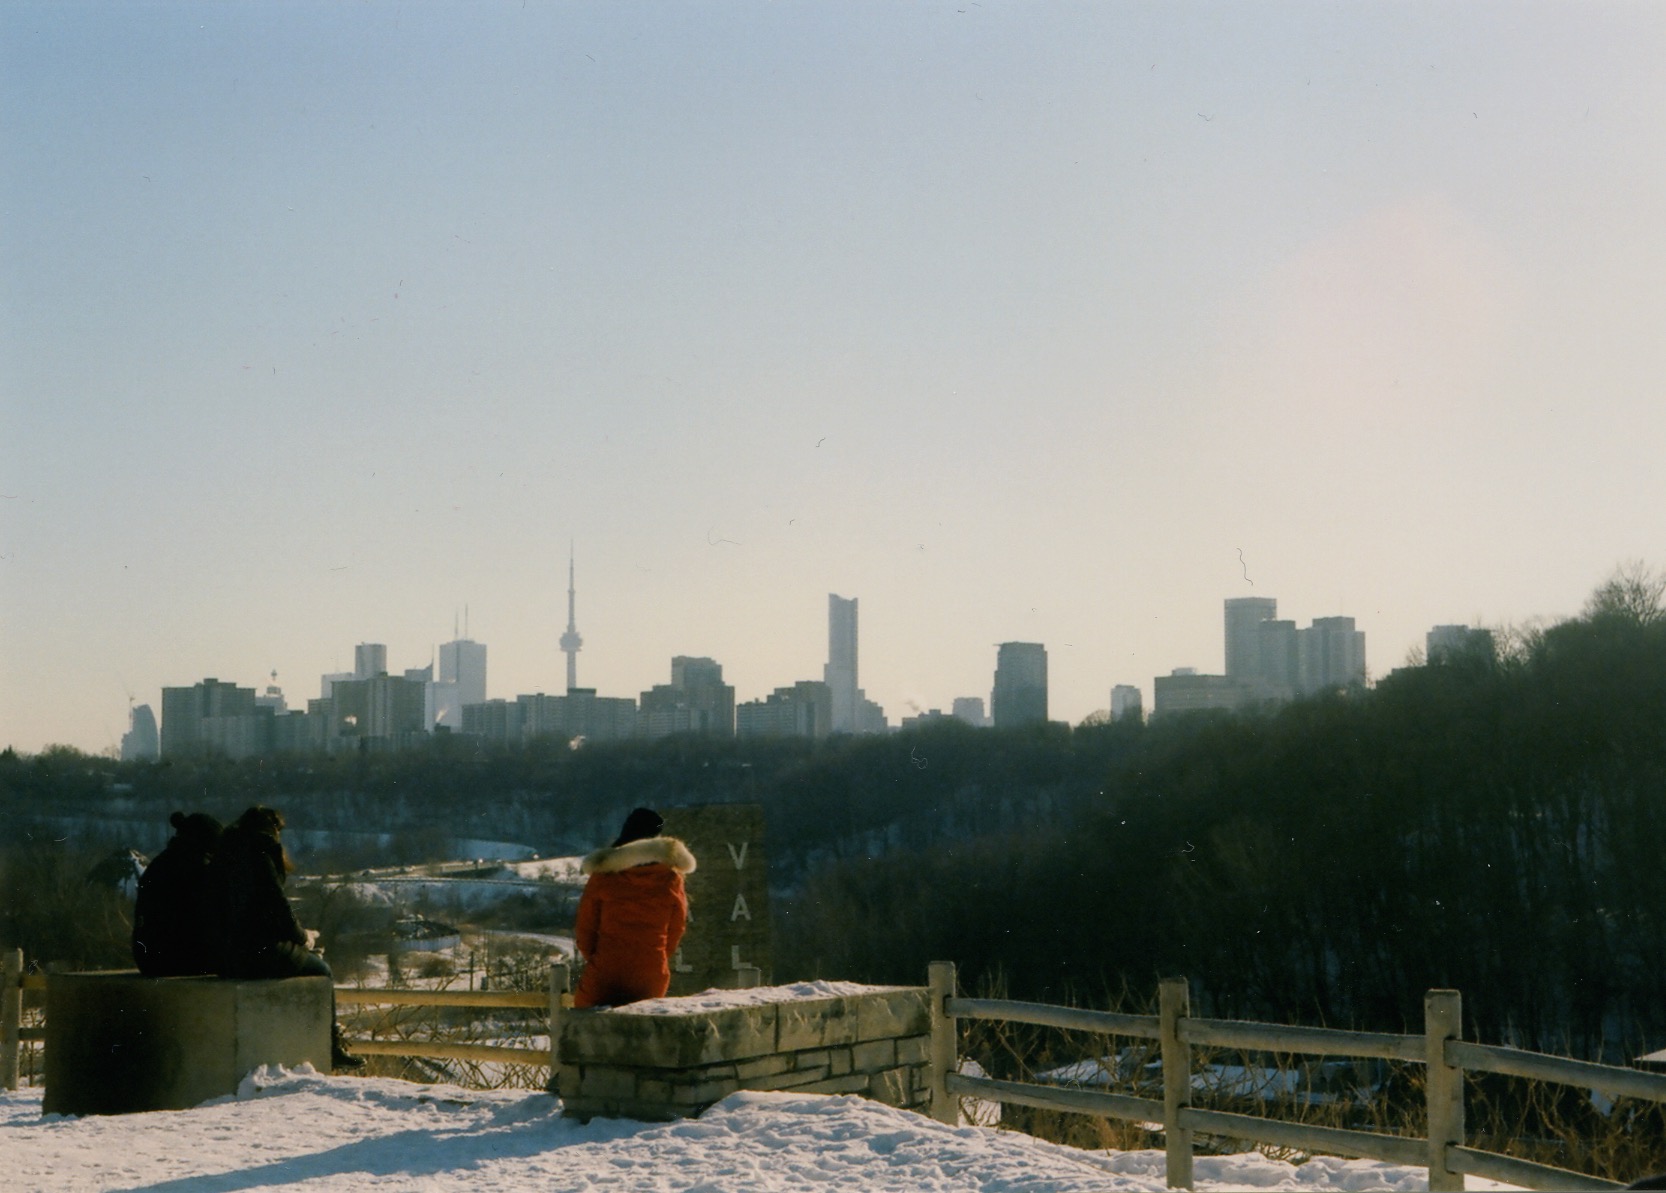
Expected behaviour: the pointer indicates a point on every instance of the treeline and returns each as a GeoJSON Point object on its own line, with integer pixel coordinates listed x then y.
{"type": "Point", "coordinates": [1492, 824]}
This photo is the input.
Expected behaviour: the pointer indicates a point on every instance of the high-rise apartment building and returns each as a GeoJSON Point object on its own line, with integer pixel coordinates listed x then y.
{"type": "Point", "coordinates": [1020, 693]}
{"type": "Point", "coordinates": [695, 701]}
{"type": "Point", "coordinates": [1126, 703]}
{"type": "Point", "coordinates": [803, 710]}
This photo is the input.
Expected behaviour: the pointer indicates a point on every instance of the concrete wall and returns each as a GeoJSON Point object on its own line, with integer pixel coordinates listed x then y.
{"type": "Point", "coordinates": [665, 1066]}
{"type": "Point", "coordinates": [117, 1042]}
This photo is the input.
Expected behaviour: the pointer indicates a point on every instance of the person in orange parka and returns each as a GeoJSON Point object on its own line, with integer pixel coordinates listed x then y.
{"type": "Point", "coordinates": [632, 914]}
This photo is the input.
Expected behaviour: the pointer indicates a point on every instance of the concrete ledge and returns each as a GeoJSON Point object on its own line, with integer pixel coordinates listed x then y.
{"type": "Point", "coordinates": [117, 1042]}
{"type": "Point", "coordinates": [667, 1064]}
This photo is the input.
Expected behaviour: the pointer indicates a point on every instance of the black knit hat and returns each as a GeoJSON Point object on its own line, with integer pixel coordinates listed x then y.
{"type": "Point", "coordinates": [641, 823]}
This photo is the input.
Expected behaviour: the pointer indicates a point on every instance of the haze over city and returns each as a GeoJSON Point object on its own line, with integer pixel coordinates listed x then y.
{"type": "Point", "coordinates": [1040, 323]}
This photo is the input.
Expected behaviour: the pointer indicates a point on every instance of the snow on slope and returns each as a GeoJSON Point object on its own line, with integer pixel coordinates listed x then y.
{"type": "Point", "coordinates": [307, 1131]}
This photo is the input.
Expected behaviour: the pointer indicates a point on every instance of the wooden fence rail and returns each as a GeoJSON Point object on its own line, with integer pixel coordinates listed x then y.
{"type": "Point", "coordinates": [1440, 1048]}
{"type": "Point", "coordinates": [552, 1002]}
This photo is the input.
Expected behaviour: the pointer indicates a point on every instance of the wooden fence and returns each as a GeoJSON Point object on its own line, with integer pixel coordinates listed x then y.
{"type": "Point", "coordinates": [1440, 1048]}
{"type": "Point", "coordinates": [552, 1002]}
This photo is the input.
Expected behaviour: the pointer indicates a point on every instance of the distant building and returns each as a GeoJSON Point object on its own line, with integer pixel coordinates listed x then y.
{"type": "Point", "coordinates": [1244, 616]}
{"type": "Point", "coordinates": [1020, 693]}
{"type": "Point", "coordinates": [695, 701]}
{"type": "Point", "coordinates": [370, 659]}
{"type": "Point", "coordinates": [970, 710]}
{"type": "Point", "coordinates": [140, 743]}
{"type": "Point", "coordinates": [803, 710]}
{"type": "Point", "coordinates": [386, 712]}
{"type": "Point", "coordinates": [1331, 655]}
{"type": "Point", "coordinates": [931, 716]}
{"type": "Point", "coordinates": [1447, 643]}
{"type": "Point", "coordinates": [463, 662]}
{"type": "Point", "coordinates": [1184, 690]}
{"type": "Point", "coordinates": [840, 672]}
{"type": "Point", "coordinates": [580, 713]}
{"type": "Point", "coordinates": [214, 718]}
{"type": "Point", "coordinates": [1126, 703]}
{"type": "Point", "coordinates": [494, 720]}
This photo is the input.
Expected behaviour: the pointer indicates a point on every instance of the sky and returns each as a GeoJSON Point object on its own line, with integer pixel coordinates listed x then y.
{"type": "Point", "coordinates": [302, 1130]}
{"type": "Point", "coordinates": [1057, 323]}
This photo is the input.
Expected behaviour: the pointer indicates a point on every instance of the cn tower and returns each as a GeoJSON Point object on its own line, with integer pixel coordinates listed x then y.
{"type": "Point", "coordinates": [571, 643]}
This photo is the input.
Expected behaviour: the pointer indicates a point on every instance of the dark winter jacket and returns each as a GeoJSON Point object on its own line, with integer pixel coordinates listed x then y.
{"type": "Point", "coordinates": [630, 920]}
{"type": "Point", "coordinates": [253, 915]}
{"type": "Point", "coordinates": [172, 930]}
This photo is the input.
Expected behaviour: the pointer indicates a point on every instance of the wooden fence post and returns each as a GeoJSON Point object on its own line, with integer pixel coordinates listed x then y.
{"type": "Point", "coordinates": [11, 1015]}
{"type": "Point", "coordinates": [945, 1107]}
{"type": "Point", "coordinates": [560, 983]}
{"type": "Point", "coordinates": [1443, 1085]}
{"type": "Point", "coordinates": [1175, 1004]}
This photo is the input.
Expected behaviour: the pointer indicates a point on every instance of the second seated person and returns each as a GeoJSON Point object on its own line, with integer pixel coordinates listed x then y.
{"type": "Point", "coordinates": [259, 936]}
{"type": "Point", "coordinates": [632, 914]}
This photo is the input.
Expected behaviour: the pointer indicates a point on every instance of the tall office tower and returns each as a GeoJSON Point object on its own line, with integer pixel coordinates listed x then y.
{"type": "Point", "coordinates": [370, 659]}
{"type": "Point", "coordinates": [1331, 654]}
{"type": "Point", "coordinates": [463, 662]}
{"type": "Point", "coordinates": [1244, 616]}
{"type": "Point", "coordinates": [1126, 703]}
{"type": "Point", "coordinates": [571, 643]}
{"type": "Point", "coordinates": [140, 743]}
{"type": "Point", "coordinates": [840, 672]}
{"type": "Point", "coordinates": [1020, 695]}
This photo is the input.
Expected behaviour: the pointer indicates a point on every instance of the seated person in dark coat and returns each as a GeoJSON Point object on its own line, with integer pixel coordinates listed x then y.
{"type": "Point", "coordinates": [259, 936]}
{"type": "Point", "coordinates": [171, 933]}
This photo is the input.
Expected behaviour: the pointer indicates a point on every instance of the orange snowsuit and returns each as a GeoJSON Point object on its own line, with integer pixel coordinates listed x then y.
{"type": "Point", "coordinates": [630, 920]}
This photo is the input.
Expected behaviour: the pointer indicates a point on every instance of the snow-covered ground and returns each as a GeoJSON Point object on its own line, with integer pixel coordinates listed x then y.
{"type": "Point", "coordinates": [304, 1130]}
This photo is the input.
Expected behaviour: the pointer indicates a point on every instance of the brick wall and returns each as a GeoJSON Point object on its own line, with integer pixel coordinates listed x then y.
{"type": "Point", "coordinates": [665, 1066]}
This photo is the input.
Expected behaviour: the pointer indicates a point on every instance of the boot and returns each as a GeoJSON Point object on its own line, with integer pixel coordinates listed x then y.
{"type": "Point", "coordinates": [340, 1058]}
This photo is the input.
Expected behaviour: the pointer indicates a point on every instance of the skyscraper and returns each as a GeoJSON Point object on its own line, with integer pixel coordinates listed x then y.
{"type": "Point", "coordinates": [370, 659]}
{"type": "Point", "coordinates": [1020, 694]}
{"type": "Point", "coordinates": [463, 662]}
{"type": "Point", "coordinates": [840, 672]}
{"type": "Point", "coordinates": [571, 643]}
{"type": "Point", "coordinates": [1244, 616]}
{"type": "Point", "coordinates": [1332, 654]}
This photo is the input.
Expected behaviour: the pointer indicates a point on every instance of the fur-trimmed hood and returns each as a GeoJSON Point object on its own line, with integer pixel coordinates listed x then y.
{"type": "Point", "coordinates": [667, 851]}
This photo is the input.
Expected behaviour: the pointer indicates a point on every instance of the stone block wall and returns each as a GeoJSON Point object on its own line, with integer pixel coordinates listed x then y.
{"type": "Point", "coordinates": [661, 1066]}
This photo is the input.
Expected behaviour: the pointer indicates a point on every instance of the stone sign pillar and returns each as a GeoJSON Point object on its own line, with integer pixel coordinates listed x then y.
{"type": "Point", "coordinates": [728, 896]}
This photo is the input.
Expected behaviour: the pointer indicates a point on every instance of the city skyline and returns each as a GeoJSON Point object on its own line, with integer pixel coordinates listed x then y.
{"type": "Point", "coordinates": [1023, 323]}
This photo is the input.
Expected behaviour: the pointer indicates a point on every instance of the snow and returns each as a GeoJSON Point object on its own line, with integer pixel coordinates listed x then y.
{"type": "Point", "coordinates": [301, 1129]}
{"type": "Point", "coordinates": [724, 1000]}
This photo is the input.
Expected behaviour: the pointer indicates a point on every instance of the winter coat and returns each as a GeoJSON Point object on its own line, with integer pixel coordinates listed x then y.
{"type": "Point", "coordinates": [630, 920]}
{"type": "Point", "coordinates": [172, 932]}
{"type": "Point", "coordinates": [245, 882]}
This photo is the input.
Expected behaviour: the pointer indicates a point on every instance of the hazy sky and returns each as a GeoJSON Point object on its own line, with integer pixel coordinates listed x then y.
{"type": "Point", "coordinates": [1018, 321]}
